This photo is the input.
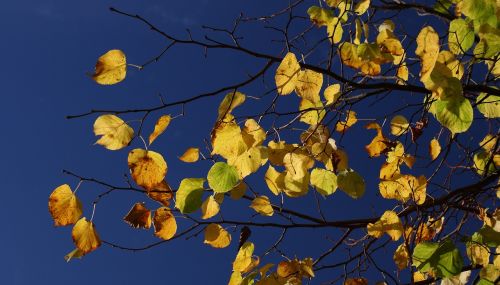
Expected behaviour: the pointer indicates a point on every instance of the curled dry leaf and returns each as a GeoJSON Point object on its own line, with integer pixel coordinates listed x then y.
{"type": "Point", "coordinates": [139, 216]}
{"type": "Point", "coordinates": [164, 223]}
{"type": "Point", "coordinates": [148, 168]}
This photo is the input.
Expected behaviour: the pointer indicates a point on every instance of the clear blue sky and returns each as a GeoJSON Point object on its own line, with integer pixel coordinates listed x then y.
{"type": "Point", "coordinates": [47, 49]}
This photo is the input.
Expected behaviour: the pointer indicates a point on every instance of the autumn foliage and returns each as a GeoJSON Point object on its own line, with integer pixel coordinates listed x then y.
{"type": "Point", "coordinates": [440, 232]}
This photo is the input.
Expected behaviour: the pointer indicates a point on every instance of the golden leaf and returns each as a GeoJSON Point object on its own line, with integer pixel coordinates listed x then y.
{"type": "Point", "coordinates": [216, 236]}
{"type": "Point", "coordinates": [160, 126]}
{"type": "Point", "coordinates": [399, 125]}
{"type": "Point", "coordinates": [244, 261]}
{"type": "Point", "coordinates": [139, 216]}
{"type": "Point", "coordinates": [309, 84]}
{"type": "Point", "coordinates": [110, 68]}
{"type": "Point", "coordinates": [164, 223]}
{"type": "Point", "coordinates": [148, 168]}
{"type": "Point", "coordinates": [192, 154]}
{"type": "Point", "coordinates": [253, 134]}
{"type": "Point", "coordinates": [427, 50]}
{"type": "Point", "coordinates": [64, 207]}
{"type": "Point", "coordinates": [356, 281]}
{"type": "Point", "coordinates": [287, 74]}
{"type": "Point", "coordinates": [209, 208]}
{"type": "Point", "coordinates": [116, 134]}
{"type": "Point", "coordinates": [332, 93]}
{"type": "Point", "coordinates": [161, 193]}
{"type": "Point", "coordinates": [262, 206]}
{"type": "Point", "coordinates": [230, 101]}
{"type": "Point", "coordinates": [434, 149]}
{"type": "Point", "coordinates": [343, 126]}
{"type": "Point", "coordinates": [379, 143]}
{"type": "Point", "coordinates": [388, 223]}
{"type": "Point", "coordinates": [401, 257]}
{"type": "Point", "coordinates": [85, 236]}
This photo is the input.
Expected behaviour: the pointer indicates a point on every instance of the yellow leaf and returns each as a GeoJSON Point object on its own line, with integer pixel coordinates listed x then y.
{"type": "Point", "coordinates": [389, 223]}
{"type": "Point", "coordinates": [243, 259]}
{"type": "Point", "coordinates": [75, 253]}
{"type": "Point", "coordinates": [209, 208]}
{"type": "Point", "coordinates": [427, 50]}
{"type": "Point", "coordinates": [161, 193]}
{"type": "Point", "coordinates": [236, 278]}
{"type": "Point", "coordinates": [296, 268]}
{"type": "Point", "coordinates": [297, 163]}
{"type": "Point", "coordinates": [230, 101]}
{"type": "Point", "coordinates": [262, 206]}
{"type": "Point", "coordinates": [85, 236]}
{"type": "Point", "coordinates": [249, 161]}
{"type": "Point", "coordinates": [116, 134]}
{"type": "Point", "coordinates": [401, 257]}
{"type": "Point", "coordinates": [287, 74]}
{"type": "Point", "coordinates": [343, 126]}
{"type": "Point", "coordinates": [402, 74]}
{"type": "Point", "coordinates": [324, 181]}
{"type": "Point", "coordinates": [278, 150]}
{"type": "Point", "coordinates": [160, 126]}
{"type": "Point", "coordinates": [64, 207]}
{"type": "Point", "coordinates": [227, 140]}
{"type": "Point", "coordinates": [314, 116]}
{"type": "Point", "coordinates": [253, 134]}
{"type": "Point", "coordinates": [335, 30]}
{"type": "Point", "coordinates": [455, 67]}
{"type": "Point", "coordinates": [489, 142]}
{"type": "Point", "coordinates": [356, 281]}
{"type": "Point", "coordinates": [192, 154]}
{"type": "Point", "coordinates": [275, 180]}
{"type": "Point", "coordinates": [389, 170]}
{"type": "Point", "coordinates": [379, 143]}
{"type": "Point", "coordinates": [139, 216]}
{"type": "Point", "coordinates": [309, 84]}
{"type": "Point", "coordinates": [148, 168]}
{"type": "Point", "coordinates": [361, 7]}
{"type": "Point", "coordinates": [399, 125]}
{"type": "Point", "coordinates": [434, 149]}
{"type": "Point", "coordinates": [296, 186]}
{"type": "Point", "coordinates": [332, 93]}
{"type": "Point", "coordinates": [216, 236]}
{"type": "Point", "coordinates": [404, 187]}
{"type": "Point", "coordinates": [359, 28]}
{"type": "Point", "coordinates": [164, 223]}
{"type": "Point", "coordinates": [110, 68]}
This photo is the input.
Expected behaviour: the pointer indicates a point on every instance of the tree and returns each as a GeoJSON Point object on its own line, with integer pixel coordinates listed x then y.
{"type": "Point", "coordinates": [429, 98]}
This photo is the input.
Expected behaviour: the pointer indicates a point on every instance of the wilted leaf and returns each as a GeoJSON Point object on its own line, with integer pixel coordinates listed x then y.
{"type": "Point", "coordinates": [116, 134]}
{"type": "Point", "coordinates": [139, 216]}
{"type": "Point", "coordinates": [64, 207]}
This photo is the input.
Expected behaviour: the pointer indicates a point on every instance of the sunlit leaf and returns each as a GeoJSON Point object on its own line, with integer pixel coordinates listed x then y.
{"type": "Point", "coordinates": [456, 113]}
{"type": "Point", "coordinates": [401, 257]}
{"type": "Point", "coordinates": [332, 93]}
{"type": "Point", "coordinates": [319, 16]}
{"type": "Point", "coordinates": [216, 236]}
{"type": "Point", "coordinates": [209, 208]}
{"type": "Point", "coordinates": [399, 125]}
{"type": "Point", "coordinates": [379, 143]}
{"type": "Point", "coordinates": [64, 207]}
{"type": "Point", "coordinates": [262, 205]}
{"type": "Point", "coordinates": [324, 181]}
{"type": "Point", "coordinates": [434, 149]}
{"type": "Point", "coordinates": [442, 258]}
{"type": "Point", "coordinates": [335, 30]}
{"type": "Point", "coordinates": [427, 50]}
{"type": "Point", "coordinates": [161, 193]}
{"type": "Point", "coordinates": [343, 126]}
{"type": "Point", "coordinates": [192, 154]}
{"type": "Point", "coordinates": [230, 101]}
{"type": "Point", "coordinates": [148, 168]}
{"type": "Point", "coordinates": [164, 223]}
{"type": "Point", "coordinates": [222, 177]}
{"type": "Point", "coordinates": [110, 68]}
{"type": "Point", "coordinates": [244, 258]}
{"type": "Point", "coordinates": [85, 236]}
{"type": "Point", "coordinates": [388, 223]}
{"type": "Point", "coordinates": [488, 105]}
{"type": "Point", "coordinates": [160, 126]}
{"type": "Point", "coordinates": [188, 196]}
{"type": "Point", "coordinates": [75, 253]}
{"type": "Point", "coordinates": [287, 74]}
{"type": "Point", "coordinates": [361, 7]}
{"type": "Point", "coordinates": [115, 133]}
{"type": "Point", "coordinates": [460, 36]}
{"type": "Point", "coordinates": [275, 180]}
{"type": "Point", "coordinates": [309, 84]}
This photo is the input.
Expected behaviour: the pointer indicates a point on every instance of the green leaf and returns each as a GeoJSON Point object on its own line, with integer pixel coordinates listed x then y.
{"type": "Point", "coordinates": [351, 183]}
{"type": "Point", "coordinates": [188, 196]}
{"type": "Point", "coordinates": [442, 6]}
{"type": "Point", "coordinates": [461, 36]}
{"type": "Point", "coordinates": [481, 160]}
{"type": "Point", "coordinates": [488, 46]}
{"type": "Point", "coordinates": [320, 16]}
{"type": "Point", "coordinates": [222, 177]}
{"type": "Point", "coordinates": [489, 274]}
{"type": "Point", "coordinates": [488, 105]}
{"type": "Point", "coordinates": [442, 258]}
{"type": "Point", "coordinates": [324, 181]}
{"type": "Point", "coordinates": [488, 236]}
{"type": "Point", "coordinates": [481, 11]}
{"type": "Point", "coordinates": [455, 113]}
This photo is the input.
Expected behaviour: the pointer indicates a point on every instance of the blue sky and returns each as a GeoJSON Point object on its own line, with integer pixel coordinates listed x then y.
{"type": "Point", "coordinates": [48, 49]}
